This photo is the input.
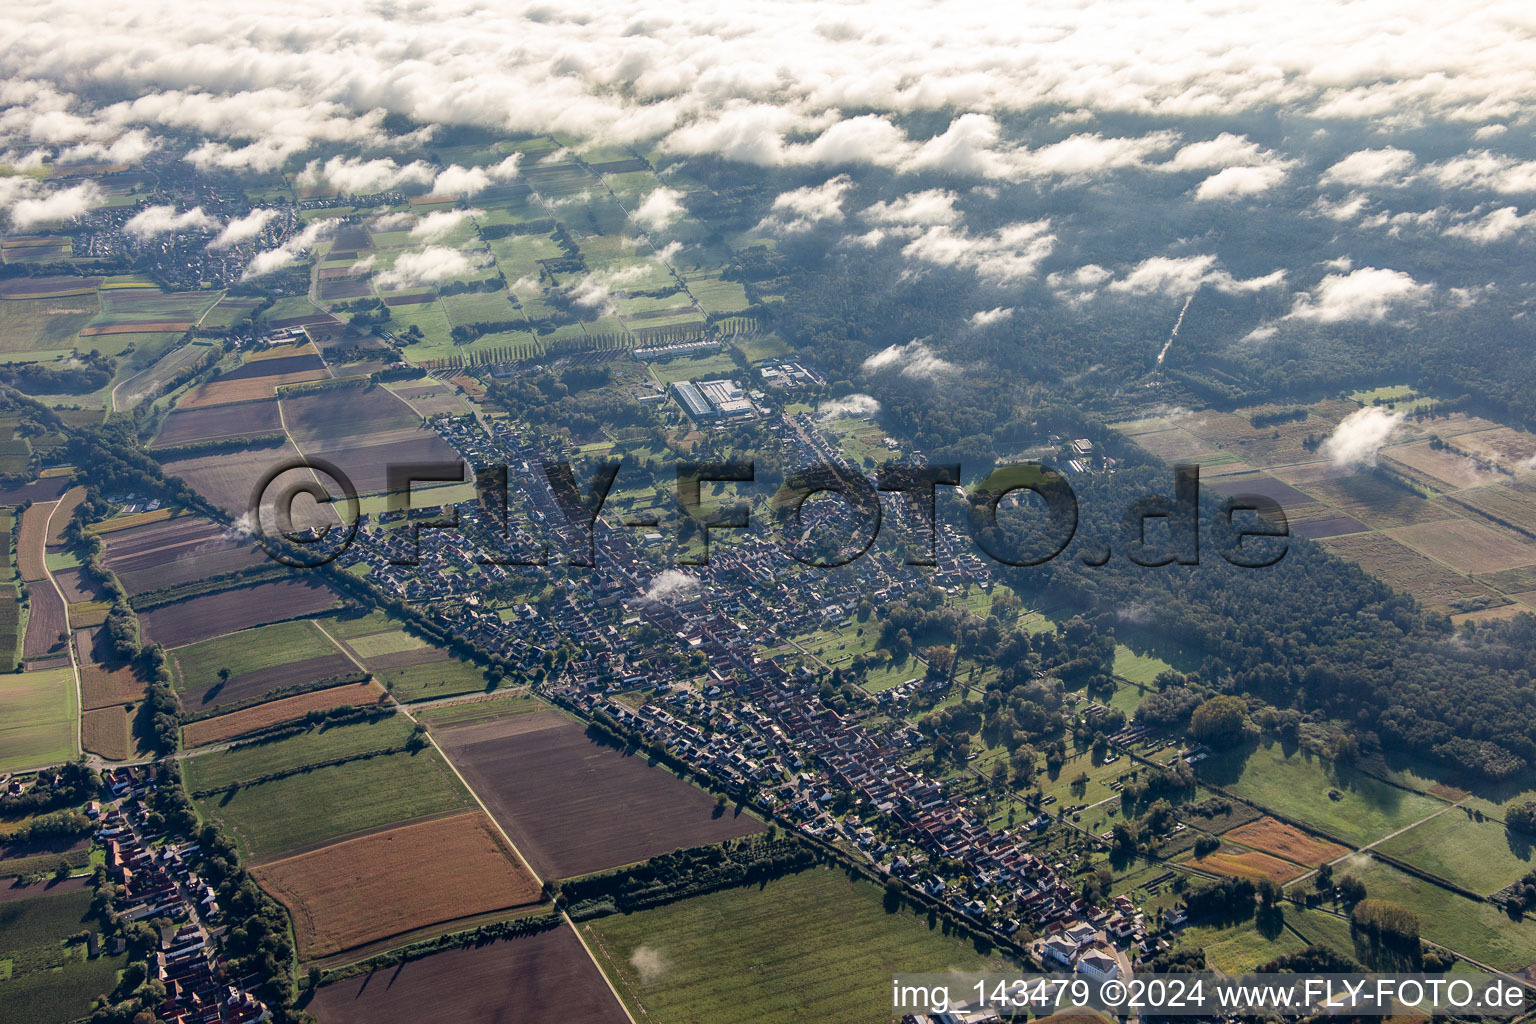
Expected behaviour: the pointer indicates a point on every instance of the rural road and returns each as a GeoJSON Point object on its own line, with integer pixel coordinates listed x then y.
{"type": "Point", "coordinates": [69, 641]}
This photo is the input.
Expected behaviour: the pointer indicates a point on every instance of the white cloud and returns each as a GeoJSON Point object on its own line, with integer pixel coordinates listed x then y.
{"type": "Point", "coordinates": [1346, 209]}
{"type": "Point", "coordinates": [435, 227]}
{"type": "Point", "coordinates": [1006, 256]}
{"type": "Point", "coordinates": [456, 180]}
{"type": "Point", "coordinates": [804, 208]}
{"type": "Point", "coordinates": [855, 405]}
{"type": "Point", "coordinates": [914, 360]}
{"type": "Point", "coordinates": [1358, 438]}
{"type": "Point", "coordinates": [770, 85]}
{"type": "Point", "coordinates": [354, 175]}
{"type": "Point", "coordinates": [931, 206]}
{"type": "Point", "coordinates": [1496, 226]}
{"type": "Point", "coordinates": [1368, 294]}
{"type": "Point", "coordinates": [30, 204]}
{"type": "Point", "coordinates": [1371, 167]}
{"type": "Point", "coordinates": [660, 209]}
{"type": "Point", "coordinates": [392, 221]}
{"type": "Point", "coordinates": [290, 252]}
{"type": "Point", "coordinates": [1225, 150]}
{"type": "Point", "coordinates": [1234, 182]}
{"type": "Point", "coordinates": [431, 265]}
{"type": "Point", "coordinates": [1491, 172]}
{"type": "Point", "coordinates": [1077, 286]}
{"type": "Point", "coordinates": [1183, 275]}
{"type": "Point", "coordinates": [243, 229]}
{"type": "Point", "coordinates": [153, 221]}
{"type": "Point", "coordinates": [128, 148]}
{"type": "Point", "coordinates": [988, 317]}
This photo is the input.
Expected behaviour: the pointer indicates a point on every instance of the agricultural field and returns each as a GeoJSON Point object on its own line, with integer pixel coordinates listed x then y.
{"type": "Point", "coordinates": [37, 718]}
{"type": "Point", "coordinates": [220, 769]}
{"type": "Point", "coordinates": [228, 478]}
{"type": "Point", "coordinates": [227, 611]}
{"type": "Point", "coordinates": [1436, 586]}
{"type": "Point", "coordinates": [539, 773]}
{"type": "Point", "coordinates": [1240, 863]}
{"type": "Point", "coordinates": [259, 377]}
{"type": "Point", "coordinates": [312, 808]}
{"type": "Point", "coordinates": [418, 875]}
{"type": "Point", "coordinates": [1337, 801]}
{"type": "Point", "coordinates": [109, 732]}
{"type": "Point", "coordinates": [811, 946]}
{"type": "Point", "coordinates": [228, 311]}
{"type": "Point", "coordinates": [1480, 930]}
{"type": "Point", "coordinates": [1287, 841]}
{"type": "Point", "coordinates": [287, 709]}
{"type": "Point", "coordinates": [104, 681]}
{"type": "Point", "coordinates": [1513, 509]}
{"type": "Point", "coordinates": [340, 413]}
{"type": "Point", "coordinates": [220, 422]}
{"type": "Point", "coordinates": [50, 979]}
{"type": "Point", "coordinates": [171, 552]}
{"type": "Point", "coordinates": [1476, 853]}
{"type": "Point", "coordinates": [362, 430]}
{"type": "Point", "coordinates": [248, 651]}
{"type": "Point", "coordinates": [43, 329]}
{"type": "Point", "coordinates": [31, 541]}
{"type": "Point", "coordinates": [10, 627]}
{"type": "Point", "coordinates": [77, 587]}
{"type": "Point", "coordinates": [546, 976]}
{"type": "Point", "coordinates": [1468, 547]}
{"type": "Point", "coordinates": [1442, 469]}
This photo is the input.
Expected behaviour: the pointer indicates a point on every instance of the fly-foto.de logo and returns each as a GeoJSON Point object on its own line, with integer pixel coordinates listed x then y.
{"type": "Point", "coordinates": [1021, 514]}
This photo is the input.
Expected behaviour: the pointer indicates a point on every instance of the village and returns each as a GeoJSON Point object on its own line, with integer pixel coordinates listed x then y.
{"type": "Point", "coordinates": [747, 723]}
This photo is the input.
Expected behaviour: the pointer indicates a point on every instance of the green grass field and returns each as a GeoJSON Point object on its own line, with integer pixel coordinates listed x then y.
{"type": "Point", "coordinates": [38, 716]}
{"type": "Point", "coordinates": [477, 711]}
{"type": "Point", "coordinates": [1479, 930]}
{"type": "Point", "coordinates": [345, 627]}
{"type": "Point", "coordinates": [1138, 668]}
{"type": "Point", "coordinates": [301, 810]}
{"type": "Point", "coordinates": [1482, 856]}
{"type": "Point", "coordinates": [812, 946]}
{"type": "Point", "coordinates": [226, 767]}
{"type": "Point", "coordinates": [377, 645]}
{"type": "Point", "coordinates": [428, 682]}
{"type": "Point", "coordinates": [44, 979]}
{"type": "Point", "coordinates": [1299, 787]}
{"type": "Point", "coordinates": [10, 625]}
{"type": "Point", "coordinates": [1240, 947]}
{"type": "Point", "coordinates": [1320, 928]}
{"type": "Point", "coordinates": [229, 310]}
{"type": "Point", "coordinates": [249, 650]}
{"type": "Point", "coordinates": [41, 328]}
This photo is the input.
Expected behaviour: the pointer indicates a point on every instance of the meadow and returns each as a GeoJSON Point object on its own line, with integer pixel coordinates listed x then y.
{"type": "Point", "coordinates": [1240, 947]}
{"type": "Point", "coordinates": [1480, 855]}
{"type": "Point", "coordinates": [37, 718]}
{"type": "Point", "coordinates": [1337, 801]}
{"type": "Point", "coordinates": [1479, 930]}
{"type": "Point", "coordinates": [312, 807]}
{"type": "Point", "coordinates": [811, 946]}
{"type": "Point", "coordinates": [223, 768]}
{"type": "Point", "coordinates": [445, 678]}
